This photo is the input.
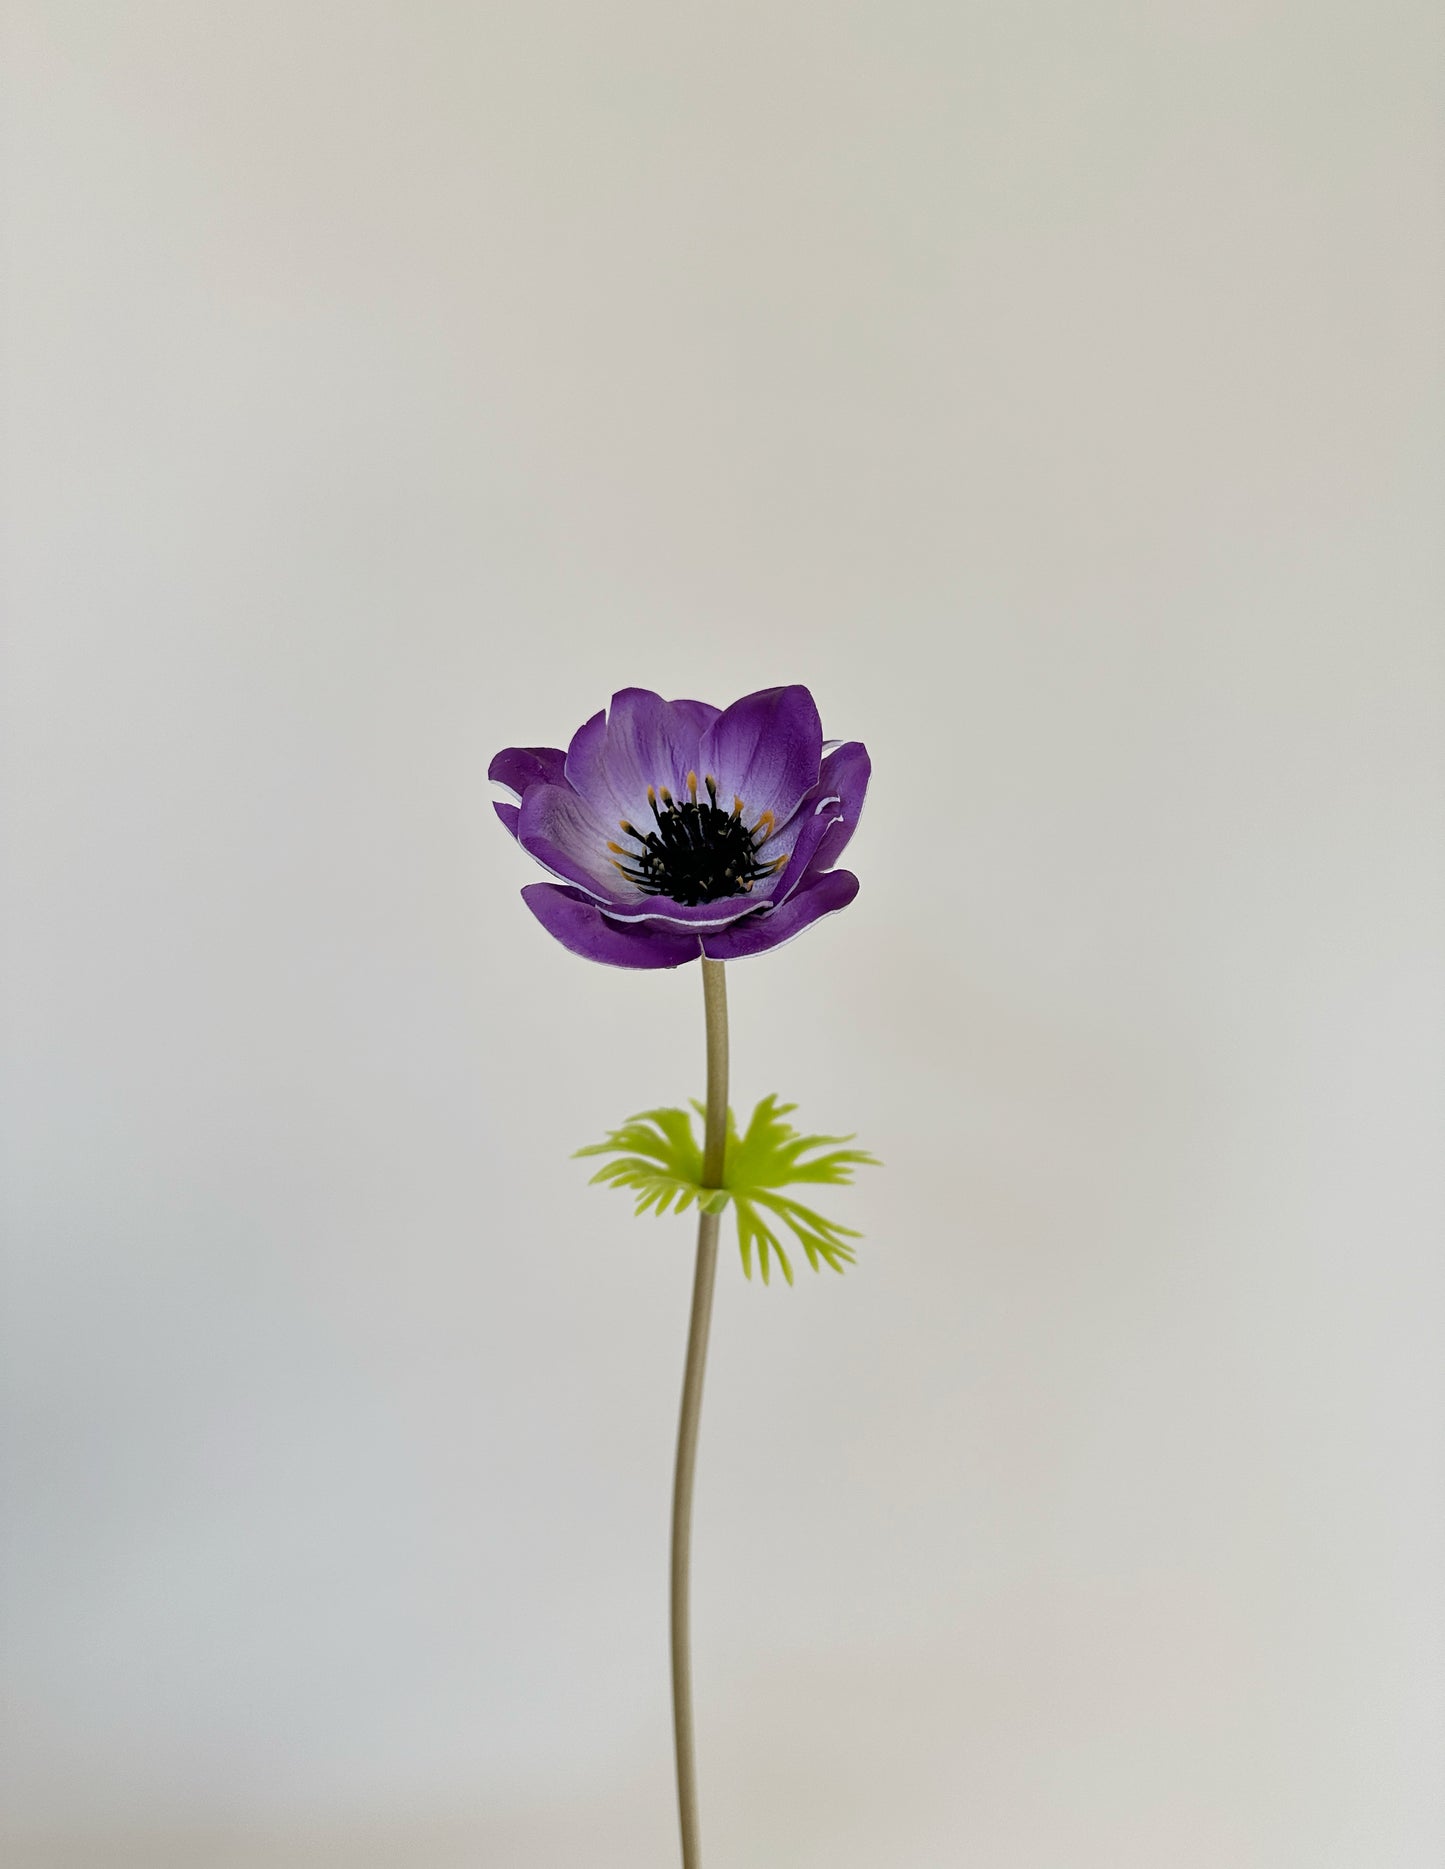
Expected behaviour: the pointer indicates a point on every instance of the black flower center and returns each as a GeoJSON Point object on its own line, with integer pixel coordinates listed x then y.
{"type": "Point", "coordinates": [698, 851]}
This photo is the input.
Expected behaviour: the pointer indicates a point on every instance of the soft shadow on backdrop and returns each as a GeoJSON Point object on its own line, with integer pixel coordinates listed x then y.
{"type": "Point", "coordinates": [1057, 391]}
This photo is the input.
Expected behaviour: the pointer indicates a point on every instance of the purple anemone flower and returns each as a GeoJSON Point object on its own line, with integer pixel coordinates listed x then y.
{"type": "Point", "coordinates": [680, 831]}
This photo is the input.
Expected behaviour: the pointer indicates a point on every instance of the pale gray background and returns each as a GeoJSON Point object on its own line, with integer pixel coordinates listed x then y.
{"type": "Point", "coordinates": [1057, 390]}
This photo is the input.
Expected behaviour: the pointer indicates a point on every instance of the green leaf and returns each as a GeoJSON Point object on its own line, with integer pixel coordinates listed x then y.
{"type": "Point", "coordinates": [661, 1161]}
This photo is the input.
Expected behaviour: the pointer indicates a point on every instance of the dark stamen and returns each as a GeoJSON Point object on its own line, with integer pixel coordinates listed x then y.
{"type": "Point", "coordinates": [699, 852]}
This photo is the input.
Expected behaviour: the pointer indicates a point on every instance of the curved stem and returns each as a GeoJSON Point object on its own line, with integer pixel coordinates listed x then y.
{"type": "Point", "coordinates": [715, 1007]}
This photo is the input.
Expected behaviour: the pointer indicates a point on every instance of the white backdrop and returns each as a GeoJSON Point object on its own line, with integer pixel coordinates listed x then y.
{"type": "Point", "coordinates": [1057, 391]}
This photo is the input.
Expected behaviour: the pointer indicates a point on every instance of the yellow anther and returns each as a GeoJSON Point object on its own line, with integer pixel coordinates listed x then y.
{"type": "Point", "coordinates": [651, 793]}
{"type": "Point", "coordinates": [766, 818]}
{"type": "Point", "coordinates": [778, 862]}
{"type": "Point", "coordinates": [692, 785]}
{"type": "Point", "coordinates": [737, 806]}
{"type": "Point", "coordinates": [618, 848]}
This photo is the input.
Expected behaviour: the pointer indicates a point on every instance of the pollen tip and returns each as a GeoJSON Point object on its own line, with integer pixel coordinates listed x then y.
{"type": "Point", "coordinates": [652, 791]}
{"type": "Point", "coordinates": [666, 796]}
{"type": "Point", "coordinates": [692, 784]}
{"type": "Point", "coordinates": [617, 847]}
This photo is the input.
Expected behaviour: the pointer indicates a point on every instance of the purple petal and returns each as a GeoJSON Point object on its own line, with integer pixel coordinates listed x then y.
{"type": "Point", "coordinates": [845, 772]}
{"type": "Point", "coordinates": [566, 836]}
{"type": "Point", "coordinates": [798, 841]}
{"type": "Point", "coordinates": [580, 925]}
{"type": "Point", "coordinates": [767, 749]}
{"type": "Point", "coordinates": [642, 740]}
{"type": "Point", "coordinates": [825, 896]}
{"type": "Point", "coordinates": [584, 760]}
{"type": "Point", "coordinates": [517, 767]}
{"type": "Point", "coordinates": [663, 911]}
{"type": "Point", "coordinates": [508, 814]}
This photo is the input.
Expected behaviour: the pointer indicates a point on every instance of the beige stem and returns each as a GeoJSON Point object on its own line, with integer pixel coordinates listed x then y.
{"type": "Point", "coordinates": [715, 1007]}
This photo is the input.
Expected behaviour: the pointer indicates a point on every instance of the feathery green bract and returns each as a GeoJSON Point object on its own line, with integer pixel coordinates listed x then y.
{"type": "Point", "coordinates": [659, 1157]}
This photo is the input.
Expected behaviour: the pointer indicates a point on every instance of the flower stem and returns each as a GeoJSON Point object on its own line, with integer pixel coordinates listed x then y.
{"type": "Point", "coordinates": [715, 1008]}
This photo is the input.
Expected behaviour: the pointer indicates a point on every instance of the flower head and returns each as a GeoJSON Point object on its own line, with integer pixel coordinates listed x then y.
{"type": "Point", "coordinates": [679, 831]}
